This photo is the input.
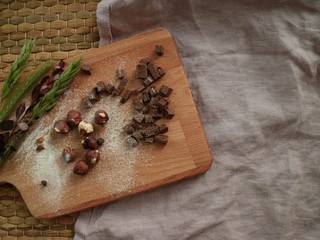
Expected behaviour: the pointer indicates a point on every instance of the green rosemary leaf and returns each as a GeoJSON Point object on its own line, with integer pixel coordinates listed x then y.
{"type": "Point", "coordinates": [34, 77]}
{"type": "Point", "coordinates": [59, 87]}
{"type": "Point", "coordinates": [17, 67]}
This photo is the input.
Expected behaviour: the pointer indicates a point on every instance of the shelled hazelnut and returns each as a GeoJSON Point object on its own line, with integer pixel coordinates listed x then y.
{"type": "Point", "coordinates": [74, 118]}
{"type": "Point", "coordinates": [61, 126]}
{"type": "Point", "coordinates": [101, 117]}
{"type": "Point", "coordinates": [90, 143]}
{"type": "Point", "coordinates": [69, 154]}
{"type": "Point", "coordinates": [92, 157]}
{"type": "Point", "coordinates": [81, 168]}
{"type": "Point", "coordinates": [85, 128]}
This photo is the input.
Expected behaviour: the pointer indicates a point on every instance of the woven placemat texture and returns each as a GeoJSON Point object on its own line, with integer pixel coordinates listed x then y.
{"type": "Point", "coordinates": [62, 29]}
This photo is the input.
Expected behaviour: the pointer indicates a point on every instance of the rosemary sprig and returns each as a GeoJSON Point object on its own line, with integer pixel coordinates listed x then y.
{"type": "Point", "coordinates": [17, 67]}
{"type": "Point", "coordinates": [59, 87]}
{"type": "Point", "coordinates": [10, 103]}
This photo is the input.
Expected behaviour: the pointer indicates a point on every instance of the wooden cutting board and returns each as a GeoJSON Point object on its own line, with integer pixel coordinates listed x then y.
{"type": "Point", "coordinates": [123, 170]}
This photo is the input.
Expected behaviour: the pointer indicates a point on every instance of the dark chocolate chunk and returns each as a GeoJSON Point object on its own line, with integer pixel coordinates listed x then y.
{"type": "Point", "coordinates": [163, 139]}
{"type": "Point", "coordinates": [145, 109]}
{"type": "Point", "coordinates": [148, 81]}
{"type": "Point", "coordinates": [44, 183]}
{"type": "Point", "coordinates": [100, 141]}
{"type": "Point", "coordinates": [86, 69]}
{"type": "Point", "coordinates": [120, 73]}
{"type": "Point", "coordinates": [94, 96]}
{"type": "Point", "coordinates": [163, 128]}
{"type": "Point", "coordinates": [168, 113]}
{"type": "Point", "coordinates": [109, 88]}
{"type": "Point", "coordinates": [149, 140]}
{"type": "Point", "coordinates": [137, 126]}
{"type": "Point", "coordinates": [162, 103]}
{"type": "Point", "coordinates": [132, 141]}
{"type": "Point", "coordinates": [128, 129]}
{"type": "Point", "coordinates": [150, 131]}
{"type": "Point", "coordinates": [161, 71]}
{"type": "Point", "coordinates": [154, 102]}
{"type": "Point", "coordinates": [101, 87]}
{"type": "Point", "coordinates": [141, 71]}
{"type": "Point", "coordinates": [149, 119]}
{"type": "Point", "coordinates": [126, 96]}
{"type": "Point", "coordinates": [157, 114]}
{"type": "Point", "coordinates": [137, 135]}
{"type": "Point", "coordinates": [153, 71]}
{"type": "Point", "coordinates": [140, 88]}
{"type": "Point", "coordinates": [117, 91]}
{"type": "Point", "coordinates": [145, 61]}
{"type": "Point", "coordinates": [139, 118]}
{"type": "Point", "coordinates": [153, 91]}
{"type": "Point", "coordinates": [145, 97]}
{"type": "Point", "coordinates": [87, 102]}
{"type": "Point", "coordinates": [138, 104]}
{"type": "Point", "coordinates": [165, 91]}
{"type": "Point", "coordinates": [159, 50]}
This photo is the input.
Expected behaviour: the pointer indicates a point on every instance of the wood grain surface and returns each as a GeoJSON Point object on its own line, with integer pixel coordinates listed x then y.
{"type": "Point", "coordinates": [123, 170]}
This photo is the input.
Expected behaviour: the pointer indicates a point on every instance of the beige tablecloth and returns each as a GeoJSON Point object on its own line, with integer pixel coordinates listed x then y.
{"type": "Point", "coordinates": [254, 70]}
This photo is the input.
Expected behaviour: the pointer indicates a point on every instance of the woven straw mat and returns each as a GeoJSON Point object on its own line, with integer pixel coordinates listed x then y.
{"type": "Point", "coordinates": [62, 29]}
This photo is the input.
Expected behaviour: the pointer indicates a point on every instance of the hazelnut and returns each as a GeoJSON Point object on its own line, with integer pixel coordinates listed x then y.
{"type": "Point", "coordinates": [101, 117]}
{"type": "Point", "coordinates": [61, 126]}
{"type": "Point", "coordinates": [74, 118]}
{"type": "Point", "coordinates": [93, 157]}
{"type": "Point", "coordinates": [69, 154]}
{"type": "Point", "coordinates": [81, 168]}
{"type": "Point", "coordinates": [44, 183]}
{"type": "Point", "coordinates": [90, 143]}
{"type": "Point", "coordinates": [85, 128]}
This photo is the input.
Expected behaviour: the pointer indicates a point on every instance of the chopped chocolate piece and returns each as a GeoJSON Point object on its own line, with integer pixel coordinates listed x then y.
{"type": "Point", "coordinates": [153, 91]}
{"type": "Point", "coordinates": [137, 126]}
{"type": "Point", "coordinates": [163, 139]}
{"type": "Point", "coordinates": [141, 71]}
{"type": "Point", "coordinates": [139, 118]}
{"type": "Point", "coordinates": [149, 140]}
{"type": "Point", "coordinates": [168, 113]}
{"type": "Point", "coordinates": [162, 104]}
{"type": "Point", "coordinates": [86, 69]}
{"type": "Point", "coordinates": [117, 91]}
{"type": "Point", "coordinates": [159, 50]}
{"type": "Point", "coordinates": [120, 73]}
{"type": "Point", "coordinates": [128, 129]}
{"type": "Point", "coordinates": [126, 96]}
{"type": "Point", "coordinates": [40, 148]}
{"type": "Point", "coordinates": [109, 88]}
{"type": "Point", "coordinates": [145, 97]}
{"type": "Point", "coordinates": [161, 71]}
{"type": "Point", "coordinates": [153, 71]}
{"type": "Point", "coordinates": [132, 141]}
{"type": "Point", "coordinates": [149, 119]}
{"type": "Point", "coordinates": [148, 81]}
{"type": "Point", "coordinates": [154, 102]}
{"type": "Point", "coordinates": [44, 183]}
{"type": "Point", "coordinates": [101, 87]}
{"type": "Point", "coordinates": [157, 115]}
{"type": "Point", "coordinates": [150, 131]}
{"type": "Point", "coordinates": [138, 104]}
{"type": "Point", "coordinates": [165, 91]}
{"type": "Point", "coordinates": [137, 135]}
{"type": "Point", "coordinates": [163, 128]}
{"type": "Point", "coordinates": [88, 102]}
{"type": "Point", "coordinates": [145, 109]}
{"type": "Point", "coordinates": [140, 88]}
{"type": "Point", "coordinates": [145, 61]}
{"type": "Point", "coordinates": [100, 141]}
{"type": "Point", "coordinates": [94, 96]}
